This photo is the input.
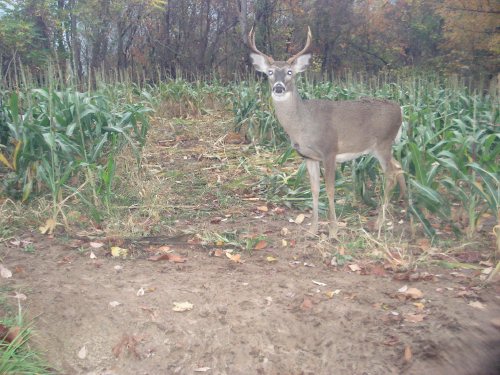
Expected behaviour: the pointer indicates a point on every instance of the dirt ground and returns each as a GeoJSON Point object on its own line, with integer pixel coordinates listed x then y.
{"type": "Point", "coordinates": [282, 308]}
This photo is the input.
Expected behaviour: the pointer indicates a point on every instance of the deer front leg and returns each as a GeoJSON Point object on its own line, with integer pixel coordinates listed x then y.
{"type": "Point", "coordinates": [314, 174]}
{"type": "Point", "coordinates": [330, 169]}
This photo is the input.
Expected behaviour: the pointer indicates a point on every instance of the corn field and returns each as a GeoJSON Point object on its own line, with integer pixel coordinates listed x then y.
{"type": "Point", "coordinates": [63, 141]}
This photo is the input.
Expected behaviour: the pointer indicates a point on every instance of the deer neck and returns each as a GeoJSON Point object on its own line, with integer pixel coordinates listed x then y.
{"type": "Point", "coordinates": [290, 112]}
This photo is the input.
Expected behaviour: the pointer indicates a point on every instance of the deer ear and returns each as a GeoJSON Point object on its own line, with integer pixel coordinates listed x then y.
{"type": "Point", "coordinates": [301, 63]}
{"type": "Point", "coordinates": [259, 62]}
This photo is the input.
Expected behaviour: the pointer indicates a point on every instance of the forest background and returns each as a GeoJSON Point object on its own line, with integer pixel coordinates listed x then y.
{"type": "Point", "coordinates": [201, 38]}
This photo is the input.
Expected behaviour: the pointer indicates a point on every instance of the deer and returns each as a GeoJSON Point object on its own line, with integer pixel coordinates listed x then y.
{"type": "Point", "coordinates": [331, 132]}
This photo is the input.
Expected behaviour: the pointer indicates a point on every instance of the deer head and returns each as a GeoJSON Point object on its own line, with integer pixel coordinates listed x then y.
{"type": "Point", "coordinates": [280, 73]}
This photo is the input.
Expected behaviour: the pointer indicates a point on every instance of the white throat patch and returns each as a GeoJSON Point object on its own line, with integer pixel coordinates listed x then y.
{"type": "Point", "coordinates": [281, 98]}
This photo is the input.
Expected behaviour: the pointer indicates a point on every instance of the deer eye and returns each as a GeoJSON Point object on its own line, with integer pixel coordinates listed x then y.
{"type": "Point", "coordinates": [270, 73]}
{"type": "Point", "coordinates": [289, 72]}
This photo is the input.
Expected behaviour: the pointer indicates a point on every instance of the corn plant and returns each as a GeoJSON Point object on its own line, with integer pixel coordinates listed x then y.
{"type": "Point", "coordinates": [54, 135]}
{"type": "Point", "coordinates": [450, 146]}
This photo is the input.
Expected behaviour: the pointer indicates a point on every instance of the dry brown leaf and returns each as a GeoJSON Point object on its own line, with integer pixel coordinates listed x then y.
{"type": "Point", "coordinates": [412, 293]}
{"type": "Point", "coordinates": [3, 331]}
{"type": "Point", "coordinates": [354, 267]}
{"type": "Point", "coordinates": [262, 208]}
{"type": "Point", "coordinates": [234, 257]}
{"type": "Point", "coordinates": [128, 343]}
{"type": "Point", "coordinates": [218, 253]}
{"type": "Point", "coordinates": [9, 334]}
{"type": "Point", "coordinates": [49, 227]}
{"type": "Point", "coordinates": [419, 305]}
{"type": "Point", "coordinates": [173, 258]}
{"type": "Point", "coordinates": [299, 219]}
{"type": "Point", "coordinates": [408, 354]}
{"type": "Point", "coordinates": [261, 245]}
{"type": "Point", "coordinates": [306, 304]}
{"type": "Point", "coordinates": [414, 318]}
{"type": "Point", "coordinates": [163, 249]}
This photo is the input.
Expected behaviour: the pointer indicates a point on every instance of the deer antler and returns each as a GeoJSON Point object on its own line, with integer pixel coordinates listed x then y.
{"type": "Point", "coordinates": [251, 44]}
{"type": "Point", "coordinates": [304, 50]}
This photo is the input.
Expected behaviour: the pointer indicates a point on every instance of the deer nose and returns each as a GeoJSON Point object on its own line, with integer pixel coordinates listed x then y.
{"type": "Point", "coordinates": [279, 88]}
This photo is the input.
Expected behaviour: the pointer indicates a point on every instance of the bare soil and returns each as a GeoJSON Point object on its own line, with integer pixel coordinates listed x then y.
{"type": "Point", "coordinates": [283, 308]}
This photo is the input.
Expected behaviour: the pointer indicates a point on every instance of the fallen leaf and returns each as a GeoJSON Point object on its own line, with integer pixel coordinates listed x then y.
{"type": "Point", "coordinates": [96, 245]}
{"type": "Point", "coordinates": [202, 369]}
{"type": "Point", "coordinates": [403, 289]}
{"type": "Point", "coordinates": [354, 267]}
{"type": "Point", "coordinates": [414, 318]}
{"type": "Point", "coordinates": [182, 306]}
{"type": "Point", "coordinates": [49, 227]}
{"type": "Point", "coordinates": [117, 251]}
{"type": "Point", "coordinates": [413, 293]}
{"type": "Point", "coordinates": [306, 304]}
{"type": "Point", "coordinates": [9, 334]}
{"type": "Point", "coordinates": [216, 220]}
{"type": "Point", "coordinates": [260, 245]}
{"type": "Point", "coordinates": [299, 219]}
{"type": "Point", "coordinates": [3, 331]}
{"type": "Point", "coordinates": [318, 283]}
{"type": "Point", "coordinates": [163, 249]}
{"type": "Point", "coordinates": [330, 293]}
{"type": "Point", "coordinates": [217, 253]}
{"type": "Point", "coordinates": [408, 354]}
{"type": "Point", "coordinates": [391, 340]}
{"type": "Point", "coordinates": [284, 243]}
{"type": "Point", "coordinates": [92, 255]}
{"type": "Point", "coordinates": [82, 353]}
{"type": "Point", "coordinates": [477, 305]}
{"type": "Point", "coordinates": [419, 305]}
{"type": "Point", "coordinates": [114, 303]}
{"type": "Point", "coordinates": [5, 272]}
{"type": "Point", "coordinates": [127, 342]}
{"type": "Point", "coordinates": [174, 258]}
{"type": "Point", "coordinates": [271, 259]}
{"type": "Point", "coordinates": [234, 257]}
{"type": "Point", "coordinates": [378, 270]}
{"type": "Point", "coordinates": [284, 231]}
{"type": "Point", "coordinates": [262, 209]}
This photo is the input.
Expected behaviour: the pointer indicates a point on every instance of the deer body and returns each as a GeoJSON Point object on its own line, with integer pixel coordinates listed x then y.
{"type": "Point", "coordinates": [331, 131]}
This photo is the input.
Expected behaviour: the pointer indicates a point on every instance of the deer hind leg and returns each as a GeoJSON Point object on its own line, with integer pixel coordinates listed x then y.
{"type": "Point", "coordinates": [330, 169]}
{"type": "Point", "coordinates": [314, 175]}
{"type": "Point", "coordinates": [393, 175]}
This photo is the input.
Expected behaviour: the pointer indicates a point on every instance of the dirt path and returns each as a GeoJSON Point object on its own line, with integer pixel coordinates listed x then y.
{"type": "Point", "coordinates": [284, 310]}
{"type": "Point", "coordinates": [254, 317]}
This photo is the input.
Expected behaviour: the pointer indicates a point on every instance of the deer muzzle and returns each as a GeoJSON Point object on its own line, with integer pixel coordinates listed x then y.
{"type": "Point", "coordinates": [279, 88]}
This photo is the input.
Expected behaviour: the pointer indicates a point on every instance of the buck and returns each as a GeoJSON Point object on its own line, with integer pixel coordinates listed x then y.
{"type": "Point", "coordinates": [331, 131]}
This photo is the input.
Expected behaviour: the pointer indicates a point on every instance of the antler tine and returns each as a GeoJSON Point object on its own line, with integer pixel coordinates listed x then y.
{"type": "Point", "coordinates": [253, 47]}
{"type": "Point", "coordinates": [304, 50]}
